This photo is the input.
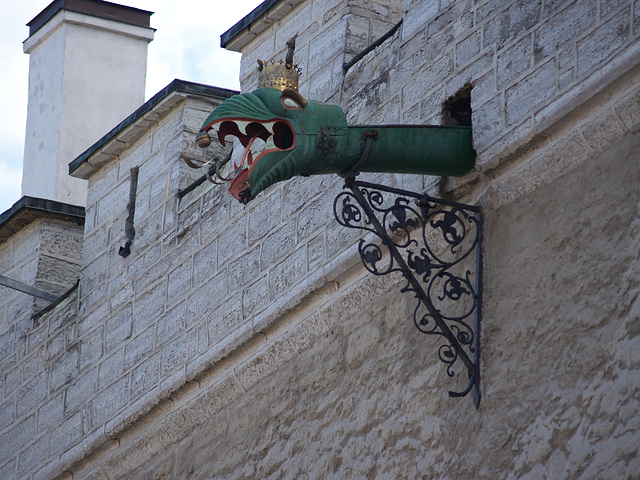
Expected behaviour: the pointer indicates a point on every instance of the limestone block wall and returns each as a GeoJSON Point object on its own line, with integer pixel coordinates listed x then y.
{"type": "Point", "coordinates": [245, 342]}
{"type": "Point", "coordinates": [46, 253]}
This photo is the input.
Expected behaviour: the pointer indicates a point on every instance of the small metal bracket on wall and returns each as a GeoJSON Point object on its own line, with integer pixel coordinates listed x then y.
{"type": "Point", "coordinates": [436, 245]}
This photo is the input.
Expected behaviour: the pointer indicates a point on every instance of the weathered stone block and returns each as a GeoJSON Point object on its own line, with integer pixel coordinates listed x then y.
{"type": "Point", "coordinates": [171, 126]}
{"type": "Point", "coordinates": [430, 77]}
{"type": "Point", "coordinates": [170, 324]}
{"type": "Point", "coordinates": [288, 273]}
{"type": "Point", "coordinates": [564, 28]}
{"type": "Point", "coordinates": [224, 321]}
{"type": "Point", "coordinates": [265, 216]}
{"type": "Point", "coordinates": [511, 23]}
{"type": "Point", "coordinates": [468, 48]}
{"type": "Point", "coordinates": [8, 470]}
{"type": "Point", "coordinates": [66, 243]}
{"type": "Point", "coordinates": [488, 123]}
{"type": "Point", "coordinates": [148, 306]}
{"type": "Point", "coordinates": [177, 352]}
{"type": "Point", "coordinates": [150, 271]}
{"type": "Point", "coordinates": [118, 328]}
{"type": "Point", "coordinates": [417, 17]}
{"type": "Point", "coordinates": [565, 79]}
{"type": "Point", "coordinates": [15, 438]}
{"type": "Point", "coordinates": [243, 270]}
{"type": "Point", "coordinates": [6, 343]}
{"type": "Point", "coordinates": [327, 45]}
{"type": "Point", "coordinates": [139, 347]}
{"type": "Point", "coordinates": [90, 320]}
{"type": "Point", "coordinates": [208, 296]}
{"type": "Point", "coordinates": [205, 264]}
{"type": "Point", "coordinates": [528, 95]}
{"type": "Point", "coordinates": [111, 204]}
{"type": "Point", "coordinates": [145, 376]}
{"type": "Point", "coordinates": [262, 50]}
{"type": "Point", "coordinates": [603, 42]}
{"type": "Point", "coordinates": [514, 61]}
{"type": "Point", "coordinates": [32, 394]}
{"type": "Point", "coordinates": [108, 402]}
{"type": "Point", "coordinates": [64, 369]}
{"type": "Point", "coordinates": [609, 6]}
{"type": "Point", "coordinates": [432, 104]}
{"type": "Point", "coordinates": [80, 392]}
{"type": "Point", "coordinates": [300, 16]}
{"type": "Point", "coordinates": [277, 245]}
{"type": "Point", "coordinates": [357, 36]}
{"type": "Point", "coordinates": [30, 457]}
{"type": "Point", "coordinates": [255, 297]}
{"type": "Point", "coordinates": [95, 246]}
{"type": "Point", "coordinates": [67, 434]}
{"type": "Point", "coordinates": [7, 413]}
{"type": "Point", "coordinates": [318, 213]}
{"type": "Point", "coordinates": [120, 290]}
{"type": "Point", "coordinates": [316, 252]}
{"type": "Point", "coordinates": [159, 190]}
{"type": "Point", "coordinates": [110, 369]}
{"type": "Point", "coordinates": [101, 185]}
{"type": "Point", "coordinates": [179, 282]}
{"type": "Point", "coordinates": [232, 241]}
{"type": "Point", "coordinates": [12, 377]}
{"type": "Point", "coordinates": [192, 118]}
{"type": "Point", "coordinates": [300, 191]}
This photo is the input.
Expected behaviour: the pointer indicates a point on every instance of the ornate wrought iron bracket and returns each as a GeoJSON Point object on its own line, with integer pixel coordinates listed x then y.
{"type": "Point", "coordinates": [436, 245]}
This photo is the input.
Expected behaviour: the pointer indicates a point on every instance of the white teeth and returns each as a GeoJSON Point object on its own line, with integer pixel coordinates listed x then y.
{"type": "Point", "coordinates": [242, 126]}
{"type": "Point", "coordinates": [269, 126]}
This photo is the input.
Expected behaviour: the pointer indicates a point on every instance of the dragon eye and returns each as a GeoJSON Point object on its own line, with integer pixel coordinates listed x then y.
{"type": "Point", "coordinates": [291, 104]}
{"type": "Point", "coordinates": [292, 100]}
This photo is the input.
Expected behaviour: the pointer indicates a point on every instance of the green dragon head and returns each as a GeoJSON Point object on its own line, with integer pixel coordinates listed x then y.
{"type": "Point", "coordinates": [283, 135]}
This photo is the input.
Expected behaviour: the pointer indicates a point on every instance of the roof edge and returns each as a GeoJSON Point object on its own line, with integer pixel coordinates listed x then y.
{"type": "Point", "coordinates": [42, 207]}
{"type": "Point", "coordinates": [246, 22]}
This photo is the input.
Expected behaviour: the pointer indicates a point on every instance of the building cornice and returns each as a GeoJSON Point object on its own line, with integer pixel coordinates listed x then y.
{"type": "Point", "coordinates": [28, 209]}
{"type": "Point", "coordinates": [256, 22]}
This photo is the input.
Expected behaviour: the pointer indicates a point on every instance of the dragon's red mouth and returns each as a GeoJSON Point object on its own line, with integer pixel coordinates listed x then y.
{"type": "Point", "coordinates": [257, 137]}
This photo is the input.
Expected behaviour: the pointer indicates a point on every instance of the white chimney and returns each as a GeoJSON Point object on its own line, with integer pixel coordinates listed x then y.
{"type": "Point", "coordinates": [87, 72]}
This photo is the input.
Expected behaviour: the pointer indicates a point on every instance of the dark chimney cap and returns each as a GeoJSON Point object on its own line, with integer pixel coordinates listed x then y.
{"type": "Point", "coordinates": [96, 8]}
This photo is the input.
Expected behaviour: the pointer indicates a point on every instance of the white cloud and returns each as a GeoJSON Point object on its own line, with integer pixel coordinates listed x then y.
{"type": "Point", "coordinates": [186, 46]}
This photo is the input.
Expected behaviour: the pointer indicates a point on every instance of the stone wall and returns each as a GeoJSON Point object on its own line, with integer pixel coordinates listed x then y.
{"type": "Point", "coordinates": [45, 253]}
{"type": "Point", "coordinates": [248, 342]}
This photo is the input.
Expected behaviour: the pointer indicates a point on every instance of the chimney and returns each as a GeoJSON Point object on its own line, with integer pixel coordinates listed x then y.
{"type": "Point", "coordinates": [87, 72]}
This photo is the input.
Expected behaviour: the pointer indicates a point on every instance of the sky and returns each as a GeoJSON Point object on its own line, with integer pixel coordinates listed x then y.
{"type": "Point", "coordinates": [186, 46]}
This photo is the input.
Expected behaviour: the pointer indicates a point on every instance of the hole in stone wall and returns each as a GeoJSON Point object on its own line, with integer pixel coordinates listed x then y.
{"type": "Point", "coordinates": [456, 110]}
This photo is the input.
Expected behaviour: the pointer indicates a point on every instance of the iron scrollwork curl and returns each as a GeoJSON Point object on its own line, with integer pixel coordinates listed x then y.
{"type": "Point", "coordinates": [435, 245]}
